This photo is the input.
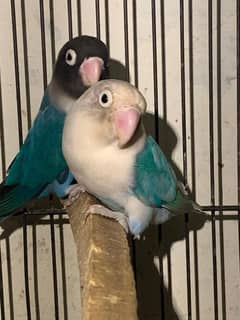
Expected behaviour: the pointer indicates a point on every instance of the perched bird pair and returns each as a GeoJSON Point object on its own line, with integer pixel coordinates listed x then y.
{"type": "Point", "coordinates": [109, 154]}
{"type": "Point", "coordinates": [40, 168]}
{"type": "Point", "coordinates": [104, 144]}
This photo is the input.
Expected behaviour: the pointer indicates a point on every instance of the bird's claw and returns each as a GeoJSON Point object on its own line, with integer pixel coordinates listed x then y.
{"type": "Point", "coordinates": [137, 237]}
{"type": "Point", "coordinates": [120, 217]}
{"type": "Point", "coordinates": [74, 191]}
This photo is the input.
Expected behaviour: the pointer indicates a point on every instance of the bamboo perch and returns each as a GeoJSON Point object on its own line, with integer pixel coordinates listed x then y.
{"type": "Point", "coordinates": [106, 276]}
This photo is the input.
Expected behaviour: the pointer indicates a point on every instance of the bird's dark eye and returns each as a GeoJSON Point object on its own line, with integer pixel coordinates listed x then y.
{"type": "Point", "coordinates": [105, 98]}
{"type": "Point", "coordinates": [71, 57]}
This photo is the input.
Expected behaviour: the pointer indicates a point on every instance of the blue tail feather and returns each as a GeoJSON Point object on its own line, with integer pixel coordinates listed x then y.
{"type": "Point", "coordinates": [13, 198]}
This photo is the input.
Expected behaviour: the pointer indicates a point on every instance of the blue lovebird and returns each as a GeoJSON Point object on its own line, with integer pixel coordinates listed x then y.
{"type": "Point", "coordinates": [40, 168]}
{"type": "Point", "coordinates": [109, 154]}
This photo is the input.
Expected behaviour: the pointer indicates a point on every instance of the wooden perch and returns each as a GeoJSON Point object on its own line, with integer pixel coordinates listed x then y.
{"type": "Point", "coordinates": [106, 276]}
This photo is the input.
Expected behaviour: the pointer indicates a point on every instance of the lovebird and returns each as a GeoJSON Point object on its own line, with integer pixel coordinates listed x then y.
{"type": "Point", "coordinates": [110, 155]}
{"type": "Point", "coordinates": [39, 168]}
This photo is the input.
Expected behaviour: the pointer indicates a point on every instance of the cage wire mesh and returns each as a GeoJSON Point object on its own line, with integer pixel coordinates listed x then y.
{"type": "Point", "coordinates": [184, 57]}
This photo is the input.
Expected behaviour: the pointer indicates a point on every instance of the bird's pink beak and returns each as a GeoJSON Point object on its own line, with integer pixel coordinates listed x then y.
{"type": "Point", "coordinates": [126, 120]}
{"type": "Point", "coordinates": [90, 70]}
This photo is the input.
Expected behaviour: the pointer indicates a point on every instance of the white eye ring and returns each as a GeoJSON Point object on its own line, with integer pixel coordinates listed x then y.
{"type": "Point", "coordinates": [71, 57]}
{"type": "Point", "coordinates": [105, 98]}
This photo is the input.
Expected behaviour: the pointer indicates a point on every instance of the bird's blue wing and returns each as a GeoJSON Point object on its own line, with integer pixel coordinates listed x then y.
{"type": "Point", "coordinates": [154, 181]}
{"type": "Point", "coordinates": [40, 159]}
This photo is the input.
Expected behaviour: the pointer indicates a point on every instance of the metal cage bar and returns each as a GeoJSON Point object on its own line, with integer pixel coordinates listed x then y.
{"type": "Point", "coordinates": [193, 169]}
{"type": "Point", "coordinates": [220, 156]}
{"type": "Point", "coordinates": [238, 113]}
{"type": "Point", "coordinates": [211, 142]}
{"type": "Point", "coordinates": [79, 20]}
{"type": "Point", "coordinates": [26, 271]}
{"type": "Point", "coordinates": [184, 149]}
{"type": "Point", "coordinates": [164, 106]}
{"type": "Point", "coordinates": [107, 25]}
{"type": "Point", "coordinates": [43, 43]}
{"type": "Point", "coordinates": [2, 139]}
{"type": "Point", "coordinates": [26, 67]}
{"type": "Point", "coordinates": [17, 77]}
{"type": "Point", "coordinates": [54, 267]}
{"type": "Point", "coordinates": [3, 160]}
{"type": "Point", "coordinates": [52, 28]}
{"type": "Point", "coordinates": [70, 26]}
{"type": "Point", "coordinates": [35, 275]}
{"type": "Point", "coordinates": [98, 24]}
{"type": "Point", "coordinates": [2, 307]}
{"type": "Point", "coordinates": [135, 42]}
{"type": "Point", "coordinates": [156, 136]}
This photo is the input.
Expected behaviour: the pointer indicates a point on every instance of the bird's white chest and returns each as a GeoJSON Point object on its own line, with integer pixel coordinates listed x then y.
{"type": "Point", "coordinates": [107, 172]}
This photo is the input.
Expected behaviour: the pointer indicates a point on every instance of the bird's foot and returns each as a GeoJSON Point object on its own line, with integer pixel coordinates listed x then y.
{"type": "Point", "coordinates": [103, 211]}
{"type": "Point", "coordinates": [135, 227]}
{"type": "Point", "coordinates": [73, 193]}
{"type": "Point", "coordinates": [184, 188]}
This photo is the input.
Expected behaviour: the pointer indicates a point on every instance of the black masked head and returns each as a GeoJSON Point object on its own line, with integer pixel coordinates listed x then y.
{"type": "Point", "coordinates": [81, 62]}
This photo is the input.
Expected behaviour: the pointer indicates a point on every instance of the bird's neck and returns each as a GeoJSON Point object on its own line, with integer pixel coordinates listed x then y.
{"type": "Point", "coordinates": [60, 98]}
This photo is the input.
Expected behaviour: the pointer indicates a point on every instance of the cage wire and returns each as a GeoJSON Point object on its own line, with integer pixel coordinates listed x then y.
{"type": "Point", "coordinates": [184, 56]}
